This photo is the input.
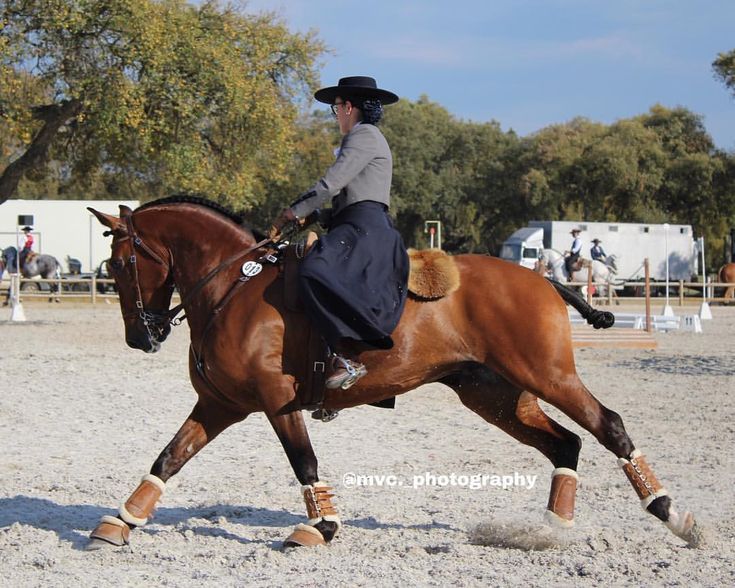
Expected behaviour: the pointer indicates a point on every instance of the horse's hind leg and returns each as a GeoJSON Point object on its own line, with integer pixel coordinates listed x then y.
{"type": "Point", "coordinates": [202, 425]}
{"type": "Point", "coordinates": [517, 413]}
{"type": "Point", "coordinates": [573, 398]}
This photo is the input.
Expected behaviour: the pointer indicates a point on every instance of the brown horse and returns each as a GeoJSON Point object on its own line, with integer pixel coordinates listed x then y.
{"type": "Point", "coordinates": [247, 355]}
{"type": "Point", "coordinates": [726, 275]}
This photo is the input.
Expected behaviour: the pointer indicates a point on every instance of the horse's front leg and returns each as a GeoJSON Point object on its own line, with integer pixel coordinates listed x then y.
{"type": "Point", "coordinates": [324, 522]}
{"type": "Point", "coordinates": [202, 425]}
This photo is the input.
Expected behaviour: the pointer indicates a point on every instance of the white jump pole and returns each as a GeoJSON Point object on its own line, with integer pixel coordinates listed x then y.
{"type": "Point", "coordinates": [668, 311]}
{"type": "Point", "coordinates": [704, 311]}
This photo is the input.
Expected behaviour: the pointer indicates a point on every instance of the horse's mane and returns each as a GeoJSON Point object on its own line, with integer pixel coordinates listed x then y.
{"type": "Point", "coordinates": [235, 217]}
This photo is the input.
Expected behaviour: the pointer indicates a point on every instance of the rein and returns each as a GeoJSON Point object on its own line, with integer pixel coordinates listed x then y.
{"type": "Point", "coordinates": [206, 279]}
{"type": "Point", "coordinates": [158, 319]}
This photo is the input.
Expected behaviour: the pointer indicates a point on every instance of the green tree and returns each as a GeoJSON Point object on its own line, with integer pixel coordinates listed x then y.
{"type": "Point", "coordinates": [680, 130]}
{"type": "Point", "coordinates": [550, 182]}
{"type": "Point", "coordinates": [418, 133]}
{"type": "Point", "coordinates": [441, 166]}
{"type": "Point", "coordinates": [155, 95]}
{"type": "Point", "coordinates": [724, 67]}
{"type": "Point", "coordinates": [316, 136]}
{"type": "Point", "coordinates": [620, 173]}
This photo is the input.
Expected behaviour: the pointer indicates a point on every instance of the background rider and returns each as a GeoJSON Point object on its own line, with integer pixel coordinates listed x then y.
{"type": "Point", "coordinates": [574, 251]}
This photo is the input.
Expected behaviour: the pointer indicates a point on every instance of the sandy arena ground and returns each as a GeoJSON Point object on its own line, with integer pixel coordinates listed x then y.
{"type": "Point", "coordinates": [83, 417]}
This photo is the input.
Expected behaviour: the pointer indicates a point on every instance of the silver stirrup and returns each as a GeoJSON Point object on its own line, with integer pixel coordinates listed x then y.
{"type": "Point", "coordinates": [324, 415]}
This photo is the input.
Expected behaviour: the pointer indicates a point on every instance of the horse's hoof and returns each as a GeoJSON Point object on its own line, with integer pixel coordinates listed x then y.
{"type": "Point", "coordinates": [96, 544]}
{"type": "Point", "coordinates": [686, 528]}
{"type": "Point", "coordinates": [304, 536]}
{"type": "Point", "coordinates": [111, 532]}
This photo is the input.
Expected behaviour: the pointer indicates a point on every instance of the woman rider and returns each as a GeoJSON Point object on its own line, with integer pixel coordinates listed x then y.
{"type": "Point", "coordinates": [353, 281]}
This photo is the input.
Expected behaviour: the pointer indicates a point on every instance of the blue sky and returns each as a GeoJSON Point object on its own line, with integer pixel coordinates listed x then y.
{"type": "Point", "coordinates": [531, 63]}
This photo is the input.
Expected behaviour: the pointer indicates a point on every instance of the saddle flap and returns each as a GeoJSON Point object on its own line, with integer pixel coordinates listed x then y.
{"type": "Point", "coordinates": [305, 358]}
{"type": "Point", "coordinates": [292, 256]}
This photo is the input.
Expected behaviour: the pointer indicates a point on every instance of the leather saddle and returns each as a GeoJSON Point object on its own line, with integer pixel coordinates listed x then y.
{"type": "Point", "coordinates": [312, 366]}
{"type": "Point", "coordinates": [433, 275]}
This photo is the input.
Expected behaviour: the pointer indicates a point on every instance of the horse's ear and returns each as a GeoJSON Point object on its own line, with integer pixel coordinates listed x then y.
{"type": "Point", "coordinates": [112, 222]}
{"type": "Point", "coordinates": [125, 211]}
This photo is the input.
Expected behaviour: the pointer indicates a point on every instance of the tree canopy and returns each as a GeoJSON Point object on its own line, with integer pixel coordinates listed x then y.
{"type": "Point", "coordinates": [150, 95]}
{"type": "Point", "coordinates": [724, 67]}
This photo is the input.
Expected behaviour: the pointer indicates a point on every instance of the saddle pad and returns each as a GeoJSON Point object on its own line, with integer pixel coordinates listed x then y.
{"type": "Point", "coordinates": [433, 273]}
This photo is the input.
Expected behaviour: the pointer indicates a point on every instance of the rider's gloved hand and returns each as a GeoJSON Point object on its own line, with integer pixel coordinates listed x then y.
{"type": "Point", "coordinates": [285, 218]}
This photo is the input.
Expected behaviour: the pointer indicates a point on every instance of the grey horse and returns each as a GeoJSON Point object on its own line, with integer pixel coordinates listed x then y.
{"type": "Point", "coordinates": [46, 266]}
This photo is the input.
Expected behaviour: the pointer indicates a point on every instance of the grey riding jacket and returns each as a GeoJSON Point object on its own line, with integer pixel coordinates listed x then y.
{"type": "Point", "coordinates": [362, 171]}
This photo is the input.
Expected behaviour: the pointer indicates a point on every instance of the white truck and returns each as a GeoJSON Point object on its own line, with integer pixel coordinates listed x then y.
{"type": "Point", "coordinates": [631, 243]}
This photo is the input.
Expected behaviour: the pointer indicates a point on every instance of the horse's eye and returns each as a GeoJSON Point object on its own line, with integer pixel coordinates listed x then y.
{"type": "Point", "coordinates": [116, 264]}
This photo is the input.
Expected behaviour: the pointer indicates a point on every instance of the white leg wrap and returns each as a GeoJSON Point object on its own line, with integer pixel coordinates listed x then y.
{"type": "Point", "coordinates": [636, 453]}
{"type": "Point", "coordinates": [155, 480]}
{"type": "Point", "coordinates": [130, 519]}
{"type": "Point", "coordinates": [113, 521]}
{"type": "Point", "coordinates": [554, 520]}
{"type": "Point", "coordinates": [330, 518]}
{"type": "Point", "coordinates": [565, 472]}
{"type": "Point", "coordinates": [645, 502]}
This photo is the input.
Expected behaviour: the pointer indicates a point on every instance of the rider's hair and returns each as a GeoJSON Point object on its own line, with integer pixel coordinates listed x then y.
{"type": "Point", "coordinates": [371, 108]}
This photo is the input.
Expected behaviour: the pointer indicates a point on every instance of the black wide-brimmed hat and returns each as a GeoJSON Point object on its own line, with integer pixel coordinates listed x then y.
{"type": "Point", "coordinates": [596, 241]}
{"type": "Point", "coordinates": [359, 86]}
{"type": "Point", "coordinates": [27, 229]}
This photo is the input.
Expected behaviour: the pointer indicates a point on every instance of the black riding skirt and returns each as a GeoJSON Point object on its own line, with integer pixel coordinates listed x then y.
{"type": "Point", "coordinates": [353, 282]}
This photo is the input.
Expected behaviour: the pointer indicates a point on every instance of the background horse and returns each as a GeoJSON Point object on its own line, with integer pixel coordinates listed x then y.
{"type": "Point", "coordinates": [553, 261]}
{"type": "Point", "coordinates": [726, 275]}
{"type": "Point", "coordinates": [46, 266]}
{"type": "Point", "coordinates": [248, 354]}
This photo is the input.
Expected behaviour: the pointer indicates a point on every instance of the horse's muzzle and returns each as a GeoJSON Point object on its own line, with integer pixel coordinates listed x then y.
{"type": "Point", "coordinates": [147, 337]}
{"type": "Point", "coordinates": [143, 342]}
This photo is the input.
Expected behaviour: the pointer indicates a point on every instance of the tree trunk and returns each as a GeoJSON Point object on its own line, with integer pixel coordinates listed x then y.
{"type": "Point", "coordinates": [54, 118]}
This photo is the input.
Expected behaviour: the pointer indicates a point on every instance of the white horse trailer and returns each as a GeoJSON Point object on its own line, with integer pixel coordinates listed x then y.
{"type": "Point", "coordinates": [523, 247]}
{"type": "Point", "coordinates": [62, 228]}
{"type": "Point", "coordinates": [631, 243]}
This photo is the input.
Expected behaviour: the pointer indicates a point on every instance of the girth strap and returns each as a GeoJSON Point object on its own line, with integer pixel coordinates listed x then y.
{"type": "Point", "coordinates": [311, 391]}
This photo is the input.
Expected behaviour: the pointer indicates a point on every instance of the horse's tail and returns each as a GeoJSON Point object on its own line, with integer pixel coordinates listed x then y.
{"type": "Point", "coordinates": [599, 319]}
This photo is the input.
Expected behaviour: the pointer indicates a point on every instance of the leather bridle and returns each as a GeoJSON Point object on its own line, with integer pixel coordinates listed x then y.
{"type": "Point", "coordinates": [156, 321]}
